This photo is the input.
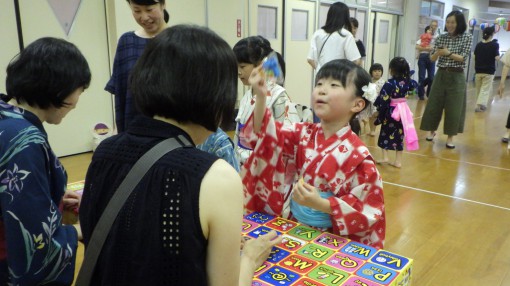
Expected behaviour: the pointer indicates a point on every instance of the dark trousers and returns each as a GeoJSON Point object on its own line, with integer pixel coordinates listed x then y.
{"type": "Point", "coordinates": [448, 96]}
{"type": "Point", "coordinates": [425, 65]}
{"type": "Point", "coordinates": [508, 121]}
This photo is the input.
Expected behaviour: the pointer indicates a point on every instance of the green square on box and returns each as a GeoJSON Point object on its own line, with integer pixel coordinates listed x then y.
{"type": "Point", "coordinates": [328, 275]}
{"type": "Point", "coordinates": [316, 252]}
{"type": "Point", "coordinates": [304, 232]}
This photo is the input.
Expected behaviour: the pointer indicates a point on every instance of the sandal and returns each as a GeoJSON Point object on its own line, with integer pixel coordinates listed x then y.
{"type": "Point", "coordinates": [431, 138]}
{"type": "Point", "coordinates": [450, 146]}
{"type": "Point", "coordinates": [504, 140]}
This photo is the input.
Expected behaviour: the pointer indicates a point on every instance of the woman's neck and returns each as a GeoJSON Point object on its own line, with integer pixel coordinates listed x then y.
{"type": "Point", "coordinates": [198, 133]}
{"type": "Point", "coordinates": [143, 33]}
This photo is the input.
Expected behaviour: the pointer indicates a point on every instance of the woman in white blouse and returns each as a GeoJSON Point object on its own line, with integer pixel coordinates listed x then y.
{"type": "Point", "coordinates": [334, 40]}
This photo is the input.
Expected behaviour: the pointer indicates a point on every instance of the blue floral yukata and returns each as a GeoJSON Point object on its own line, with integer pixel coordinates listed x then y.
{"type": "Point", "coordinates": [221, 145]}
{"type": "Point", "coordinates": [392, 134]}
{"type": "Point", "coordinates": [35, 248]}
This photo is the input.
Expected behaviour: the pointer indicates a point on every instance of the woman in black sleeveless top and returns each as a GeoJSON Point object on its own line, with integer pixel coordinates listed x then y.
{"type": "Point", "coordinates": [181, 225]}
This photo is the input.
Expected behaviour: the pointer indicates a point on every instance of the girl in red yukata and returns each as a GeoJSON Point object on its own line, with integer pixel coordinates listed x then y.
{"type": "Point", "coordinates": [336, 185]}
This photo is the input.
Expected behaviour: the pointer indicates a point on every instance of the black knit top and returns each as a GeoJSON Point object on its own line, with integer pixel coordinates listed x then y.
{"type": "Point", "coordinates": [157, 238]}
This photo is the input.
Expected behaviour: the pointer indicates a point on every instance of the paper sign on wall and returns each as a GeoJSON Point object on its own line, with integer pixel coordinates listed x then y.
{"type": "Point", "coordinates": [65, 11]}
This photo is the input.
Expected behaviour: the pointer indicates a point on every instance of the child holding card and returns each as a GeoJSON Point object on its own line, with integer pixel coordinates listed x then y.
{"type": "Point", "coordinates": [339, 187]}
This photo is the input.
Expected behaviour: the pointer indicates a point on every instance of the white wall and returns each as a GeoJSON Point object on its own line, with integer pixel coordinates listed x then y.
{"type": "Point", "coordinates": [9, 46]}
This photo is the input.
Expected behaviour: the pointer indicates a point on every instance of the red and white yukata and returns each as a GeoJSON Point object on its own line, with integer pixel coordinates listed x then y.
{"type": "Point", "coordinates": [340, 164]}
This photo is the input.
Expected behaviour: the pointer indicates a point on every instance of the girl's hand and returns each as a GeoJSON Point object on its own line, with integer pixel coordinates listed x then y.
{"type": "Point", "coordinates": [257, 81]}
{"type": "Point", "coordinates": [308, 196]}
{"type": "Point", "coordinates": [71, 200]}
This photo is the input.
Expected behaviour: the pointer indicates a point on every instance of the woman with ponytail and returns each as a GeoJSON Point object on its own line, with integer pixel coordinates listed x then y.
{"type": "Point", "coordinates": [152, 17]}
{"type": "Point", "coordinates": [486, 55]}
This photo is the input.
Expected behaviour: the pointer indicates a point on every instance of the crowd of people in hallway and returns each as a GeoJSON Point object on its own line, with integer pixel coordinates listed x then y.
{"type": "Point", "coordinates": [181, 224]}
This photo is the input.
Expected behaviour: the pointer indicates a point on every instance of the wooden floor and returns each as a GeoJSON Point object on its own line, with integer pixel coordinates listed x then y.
{"type": "Point", "coordinates": [449, 210]}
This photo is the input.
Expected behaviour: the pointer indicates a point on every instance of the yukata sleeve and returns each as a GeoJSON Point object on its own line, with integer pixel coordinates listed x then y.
{"type": "Point", "coordinates": [279, 107]}
{"type": "Point", "coordinates": [264, 173]}
{"type": "Point", "coordinates": [40, 249]}
{"type": "Point", "coordinates": [225, 151]}
{"type": "Point", "coordinates": [360, 214]}
{"type": "Point", "coordinates": [382, 103]}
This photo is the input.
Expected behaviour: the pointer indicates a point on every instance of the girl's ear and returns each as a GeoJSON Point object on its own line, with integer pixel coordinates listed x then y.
{"type": "Point", "coordinates": [358, 105]}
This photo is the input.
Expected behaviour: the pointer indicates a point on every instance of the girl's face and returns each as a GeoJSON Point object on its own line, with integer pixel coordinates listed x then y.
{"type": "Point", "coordinates": [376, 74]}
{"type": "Point", "coordinates": [244, 72]}
{"type": "Point", "coordinates": [354, 30]}
{"type": "Point", "coordinates": [149, 17]}
{"type": "Point", "coordinates": [334, 102]}
{"type": "Point", "coordinates": [451, 25]}
{"type": "Point", "coordinates": [55, 115]}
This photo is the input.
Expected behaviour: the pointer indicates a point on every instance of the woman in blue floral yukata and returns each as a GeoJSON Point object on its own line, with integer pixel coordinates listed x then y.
{"type": "Point", "coordinates": [44, 83]}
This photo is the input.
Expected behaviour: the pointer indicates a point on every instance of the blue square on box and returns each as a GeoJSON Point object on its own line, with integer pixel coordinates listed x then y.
{"type": "Point", "coordinates": [277, 254]}
{"type": "Point", "coordinates": [261, 230]}
{"type": "Point", "coordinates": [376, 273]}
{"type": "Point", "coordinates": [279, 276]}
{"type": "Point", "coordinates": [390, 260]}
{"type": "Point", "coordinates": [259, 217]}
{"type": "Point", "coordinates": [358, 250]}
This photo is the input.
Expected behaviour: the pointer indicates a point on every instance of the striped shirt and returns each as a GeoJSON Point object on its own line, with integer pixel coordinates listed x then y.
{"type": "Point", "coordinates": [459, 45]}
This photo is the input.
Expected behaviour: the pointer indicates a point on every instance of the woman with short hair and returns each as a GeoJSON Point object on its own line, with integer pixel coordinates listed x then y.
{"type": "Point", "coordinates": [448, 91]}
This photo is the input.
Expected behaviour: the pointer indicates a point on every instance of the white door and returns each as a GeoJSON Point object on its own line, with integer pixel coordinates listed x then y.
{"type": "Point", "coordinates": [88, 33]}
{"type": "Point", "coordinates": [384, 41]}
{"type": "Point", "coordinates": [265, 19]}
{"type": "Point", "coordinates": [299, 28]}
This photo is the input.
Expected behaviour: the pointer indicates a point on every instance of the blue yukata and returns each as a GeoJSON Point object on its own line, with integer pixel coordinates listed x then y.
{"type": "Point", "coordinates": [394, 92]}
{"type": "Point", "coordinates": [130, 47]}
{"type": "Point", "coordinates": [35, 248]}
{"type": "Point", "coordinates": [221, 145]}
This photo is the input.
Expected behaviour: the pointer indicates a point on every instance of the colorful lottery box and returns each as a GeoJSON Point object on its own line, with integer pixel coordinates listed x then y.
{"type": "Point", "coordinates": [308, 257]}
{"type": "Point", "coordinates": [76, 187]}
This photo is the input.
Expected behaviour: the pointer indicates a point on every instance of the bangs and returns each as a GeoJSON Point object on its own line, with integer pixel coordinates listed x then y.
{"type": "Point", "coordinates": [242, 55]}
{"type": "Point", "coordinates": [338, 70]}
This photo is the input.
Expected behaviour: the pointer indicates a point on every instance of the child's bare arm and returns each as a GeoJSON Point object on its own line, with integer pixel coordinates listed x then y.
{"type": "Point", "coordinates": [259, 88]}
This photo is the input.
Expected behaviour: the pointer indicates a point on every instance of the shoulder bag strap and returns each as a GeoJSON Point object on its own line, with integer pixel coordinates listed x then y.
{"type": "Point", "coordinates": [115, 204]}
{"type": "Point", "coordinates": [323, 47]}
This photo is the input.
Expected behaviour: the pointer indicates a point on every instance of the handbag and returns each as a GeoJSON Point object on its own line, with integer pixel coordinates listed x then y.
{"type": "Point", "coordinates": [133, 178]}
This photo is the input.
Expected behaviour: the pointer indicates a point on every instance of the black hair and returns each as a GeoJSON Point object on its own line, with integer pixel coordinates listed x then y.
{"type": "Point", "coordinates": [252, 50]}
{"type": "Point", "coordinates": [166, 16]}
{"type": "Point", "coordinates": [186, 73]}
{"type": "Point", "coordinates": [399, 68]}
{"type": "Point", "coordinates": [376, 67]}
{"type": "Point", "coordinates": [427, 28]}
{"type": "Point", "coordinates": [354, 22]}
{"type": "Point", "coordinates": [347, 73]}
{"type": "Point", "coordinates": [46, 72]}
{"type": "Point", "coordinates": [488, 32]}
{"type": "Point", "coordinates": [338, 18]}
{"type": "Point", "coordinates": [461, 22]}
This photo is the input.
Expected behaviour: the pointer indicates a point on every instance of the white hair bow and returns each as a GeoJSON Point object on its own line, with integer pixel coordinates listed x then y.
{"type": "Point", "coordinates": [370, 92]}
